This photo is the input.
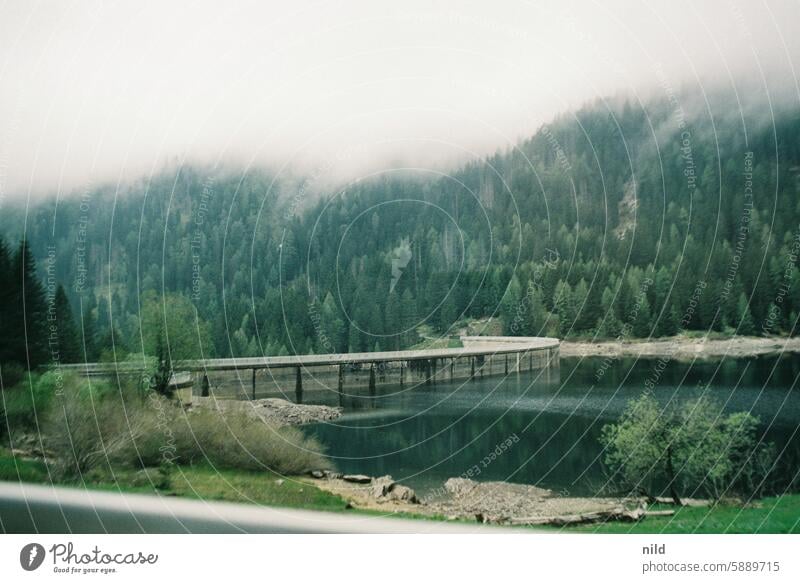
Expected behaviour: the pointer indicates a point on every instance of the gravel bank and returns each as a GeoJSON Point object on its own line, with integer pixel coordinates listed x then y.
{"type": "Point", "coordinates": [491, 502]}
{"type": "Point", "coordinates": [278, 412]}
{"type": "Point", "coordinates": [681, 348]}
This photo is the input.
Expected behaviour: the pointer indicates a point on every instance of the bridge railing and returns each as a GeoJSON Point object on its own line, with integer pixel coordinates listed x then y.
{"type": "Point", "coordinates": [480, 355]}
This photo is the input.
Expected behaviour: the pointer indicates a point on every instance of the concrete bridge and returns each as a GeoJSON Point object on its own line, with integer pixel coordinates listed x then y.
{"type": "Point", "coordinates": [480, 356]}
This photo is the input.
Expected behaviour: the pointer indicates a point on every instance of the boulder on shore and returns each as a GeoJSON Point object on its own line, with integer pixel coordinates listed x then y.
{"type": "Point", "coordinates": [365, 491]}
{"type": "Point", "coordinates": [357, 478]}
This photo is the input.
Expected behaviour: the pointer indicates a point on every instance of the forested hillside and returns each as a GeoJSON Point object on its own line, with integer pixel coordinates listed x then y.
{"type": "Point", "coordinates": [617, 220]}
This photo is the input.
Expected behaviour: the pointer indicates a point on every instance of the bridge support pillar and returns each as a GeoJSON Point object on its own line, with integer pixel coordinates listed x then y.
{"type": "Point", "coordinates": [340, 387]}
{"type": "Point", "coordinates": [254, 384]}
{"type": "Point", "coordinates": [298, 386]}
{"type": "Point", "coordinates": [372, 380]}
{"type": "Point", "coordinates": [205, 389]}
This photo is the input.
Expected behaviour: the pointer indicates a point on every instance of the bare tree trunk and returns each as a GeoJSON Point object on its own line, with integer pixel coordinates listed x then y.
{"type": "Point", "coordinates": [671, 475]}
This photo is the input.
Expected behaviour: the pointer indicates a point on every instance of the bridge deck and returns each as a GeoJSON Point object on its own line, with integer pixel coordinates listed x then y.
{"type": "Point", "coordinates": [480, 345]}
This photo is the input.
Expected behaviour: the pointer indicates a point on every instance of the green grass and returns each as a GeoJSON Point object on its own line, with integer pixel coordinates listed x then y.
{"type": "Point", "coordinates": [21, 470]}
{"type": "Point", "coordinates": [199, 481]}
{"type": "Point", "coordinates": [262, 488]}
{"type": "Point", "coordinates": [770, 515]}
{"type": "Point", "coordinates": [767, 516]}
{"type": "Point", "coordinates": [436, 343]}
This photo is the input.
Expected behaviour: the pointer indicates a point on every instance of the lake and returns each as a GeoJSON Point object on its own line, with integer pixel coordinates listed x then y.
{"type": "Point", "coordinates": [542, 428]}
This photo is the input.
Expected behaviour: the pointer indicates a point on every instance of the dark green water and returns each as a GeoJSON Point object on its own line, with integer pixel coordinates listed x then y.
{"type": "Point", "coordinates": [550, 427]}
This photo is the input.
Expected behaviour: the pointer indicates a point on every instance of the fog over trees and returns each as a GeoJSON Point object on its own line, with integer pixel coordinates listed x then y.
{"type": "Point", "coordinates": [593, 227]}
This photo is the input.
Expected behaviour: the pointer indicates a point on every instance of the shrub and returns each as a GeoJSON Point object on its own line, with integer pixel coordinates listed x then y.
{"type": "Point", "coordinates": [237, 440]}
{"type": "Point", "coordinates": [92, 425]}
{"type": "Point", "coordinates": [686, 450]}
{"type": "Point", "coordinates": [103, 428]}
{"type": "Point", "coordinates": [22, 405]}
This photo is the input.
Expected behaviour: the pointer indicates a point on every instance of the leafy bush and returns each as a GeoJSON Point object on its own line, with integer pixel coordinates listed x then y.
{"type": "Point", "coordinates": [690, 450]}
{"type": "Point", "coordinates": [92, 425]}
{"type": "Point", "coordinates": [105, 428]}
{"type": "Point", "coordinates": [237, 440]}
{"type": "Point", "coordinates": [23, 404]}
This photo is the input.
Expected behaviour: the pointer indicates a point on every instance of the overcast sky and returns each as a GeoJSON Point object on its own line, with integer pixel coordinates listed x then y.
{"type": "Point", "coordinates": [106, 90]}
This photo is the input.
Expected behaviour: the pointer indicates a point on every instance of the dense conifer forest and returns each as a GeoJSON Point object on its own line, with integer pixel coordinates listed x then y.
{"type": "Point", "coordinates": [619, 220]}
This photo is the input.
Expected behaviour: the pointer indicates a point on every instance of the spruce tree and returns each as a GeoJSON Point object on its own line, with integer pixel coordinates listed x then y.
{"type": "Point", "coordinates": [563, 304]}
{"type": "Point", "coordinates": [641, 325]}
{"type": "Point", "coordinates": [668, 323]}
{"type": "Point", "coordinates": [394, 324]}
{"type": "Point", "coordinates": [68, 340]}
{"type": "Point", "coordinates": [536, 314]}
{"type": "Point", "coordinates": [746, 326]}
{"type": "Point", "coordinates": [8, 291]}
{"type": "Point", "coordinates": [163, 372]}
{"type": "Point", "coordinates": [28, 322]}
{"type": "Point", "coordinates": [511, 308]}
{"type": "Point", "coordinates": [88, 336]}
{"type": "Point", "coordinates": [408, 312]}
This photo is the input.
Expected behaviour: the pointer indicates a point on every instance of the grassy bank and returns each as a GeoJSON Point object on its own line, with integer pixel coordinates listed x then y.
{"type": "Point", "coordinates": [774, 515]}
{"type": "Point", "coordinates": [770, 515]}
{"type": "Point", "coordinates": [197, 481]}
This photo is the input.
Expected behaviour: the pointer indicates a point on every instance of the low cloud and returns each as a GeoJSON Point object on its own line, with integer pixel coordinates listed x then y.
{"type": "Point", "coordinates": [106, 92]}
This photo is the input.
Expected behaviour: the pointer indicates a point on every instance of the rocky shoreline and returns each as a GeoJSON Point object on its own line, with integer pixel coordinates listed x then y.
{"type": "Point", "coordinates": [277, 412]}
{"type": "Point", "coordinates": [683, 348]}
{"type": "Point", "coordinates": [485, 502]}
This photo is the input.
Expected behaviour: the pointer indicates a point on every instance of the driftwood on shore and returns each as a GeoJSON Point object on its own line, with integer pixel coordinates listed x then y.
{"type": "Point", "coordinates": [617, 514]}
{"type": "Point", "coordinates": [690, 502]}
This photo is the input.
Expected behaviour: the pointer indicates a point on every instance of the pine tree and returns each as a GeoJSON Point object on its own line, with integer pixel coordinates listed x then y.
{"type": "Point", "coordinates": [745, 324]}
{"type": "Point", "coordinates": [536, 314]}
{"type": "Point", "coordinates": [447, 313]}
{"type": "Point", "coordinates": [668, 323]}
{"type": "Point", "coordinates": [333, 326]}
{"type": "Point", "coordinates": [408, 313]}
{"type": "Point", "coordinates": [641, 325]}
{"type": "Point", "coordinates": [393, 319]}
{"type": "Point", "coordinates": [28, 330]}
{"type": "Point", "coordinates": [563, 305]}
{"type": "Point", "coordinates": [607, 300]}
{"type": "Point", "coordinates": [89, 335]}
{"type": "Point", "coordinates": [511, 308]}
{"type": "Point", "coordinates": [609, 326]}
{"type": "Point", "coordinates": [68, 343]}
{"type": "Point", "coordinates": [586, 313]}
{"type": "Point", "coordinates": [8, 291]}
{"type": "Point", "coordinates": [163, 374]}
{"type": "Point", "coordinates": [355, 339]}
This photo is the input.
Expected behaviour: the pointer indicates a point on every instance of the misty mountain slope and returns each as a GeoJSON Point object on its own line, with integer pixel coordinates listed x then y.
{"type": "Point", "coordinates": [612, 220]}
